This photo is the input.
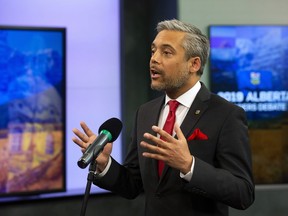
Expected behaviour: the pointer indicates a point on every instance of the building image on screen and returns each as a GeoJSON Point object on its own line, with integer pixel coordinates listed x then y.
{"type": "Point", "coordinates": [249, 67]}
{"type": "Point", "coordinates": [32, 101]}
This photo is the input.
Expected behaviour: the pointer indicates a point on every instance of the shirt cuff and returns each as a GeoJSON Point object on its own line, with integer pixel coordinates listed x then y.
{"type": "Point", "coordinates": [188, 176]}
{"type": "Point", "coordinates": [103, 173]}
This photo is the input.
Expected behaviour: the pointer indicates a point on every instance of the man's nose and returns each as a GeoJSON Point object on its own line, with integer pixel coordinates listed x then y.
{"type": "Point", "coordinates": [155, 57]}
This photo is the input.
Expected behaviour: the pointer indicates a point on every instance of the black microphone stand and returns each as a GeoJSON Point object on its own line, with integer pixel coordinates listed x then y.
{"type": "Point", "coordinates": [90, 177]}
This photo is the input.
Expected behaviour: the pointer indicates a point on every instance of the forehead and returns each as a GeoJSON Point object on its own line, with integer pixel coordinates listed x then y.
{"type": "Point", "coordinates": [166, 37]}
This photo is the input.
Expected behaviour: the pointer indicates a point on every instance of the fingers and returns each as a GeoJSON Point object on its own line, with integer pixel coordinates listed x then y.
{"type": "Point", "coordinates": [155, 152]}
{"type": "Point", "coordinates": [161, 145]}
{"type": "Point", "coordinates": [80, 143]}
{"type": "Point", "coordinates": [82, 139]}
{"type": "Point", "coordinates": [163, 134]}
{"type": "Point", "coordinates": [166, 136]}
{"type": "Point", "coordinates": [163, 142]}
{"type": "Point", "coordinates": [158, 142]}
{"type": "Point", "coordinates": [173, 151]}
{"type": "Point", "coordinates": [86, 129]}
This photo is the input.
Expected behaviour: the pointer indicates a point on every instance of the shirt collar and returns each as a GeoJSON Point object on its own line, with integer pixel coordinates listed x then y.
{"type": "Point", "coordinates": [188, 97]}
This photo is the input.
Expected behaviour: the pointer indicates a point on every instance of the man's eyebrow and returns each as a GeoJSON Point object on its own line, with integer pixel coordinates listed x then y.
{"type": "Point", "coordinates": [163, 46]}
{"type": "Point", "coordinates": [167, 46]}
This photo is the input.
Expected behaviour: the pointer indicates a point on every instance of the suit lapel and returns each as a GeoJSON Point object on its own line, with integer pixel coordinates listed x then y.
{"type": "Point", "coordinates": [197, 109]}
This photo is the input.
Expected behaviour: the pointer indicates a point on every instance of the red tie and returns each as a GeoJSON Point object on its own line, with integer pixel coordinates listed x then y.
{"type": "Point", "coordinates": [168, 127]}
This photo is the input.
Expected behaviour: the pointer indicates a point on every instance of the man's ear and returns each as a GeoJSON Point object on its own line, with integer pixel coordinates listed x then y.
{"type": "Point", "coordinates": [194, 64]}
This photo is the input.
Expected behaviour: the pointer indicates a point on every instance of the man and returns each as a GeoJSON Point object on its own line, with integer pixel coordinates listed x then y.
{"type": "Point", "coordinates": [207, 159]}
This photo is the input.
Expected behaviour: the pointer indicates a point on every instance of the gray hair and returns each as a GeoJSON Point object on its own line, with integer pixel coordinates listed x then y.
{"type": "Point", "coordinates": [194, 43]}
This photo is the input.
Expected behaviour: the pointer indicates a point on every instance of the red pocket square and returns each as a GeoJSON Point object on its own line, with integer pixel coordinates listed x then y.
{"type": "Point", "coordinates": [197, 135]}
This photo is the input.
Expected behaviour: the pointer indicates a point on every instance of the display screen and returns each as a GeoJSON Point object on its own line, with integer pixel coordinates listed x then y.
{"type": "Point", "coordinates": [93, 78]}
{"type": "Point", "coordinates": [32, 110]}
{"type": "Point", "coordinates": [249, 67]}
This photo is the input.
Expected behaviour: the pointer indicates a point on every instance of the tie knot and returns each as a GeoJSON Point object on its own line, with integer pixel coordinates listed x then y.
{"type": "Point", "coordinates": [173, 104]}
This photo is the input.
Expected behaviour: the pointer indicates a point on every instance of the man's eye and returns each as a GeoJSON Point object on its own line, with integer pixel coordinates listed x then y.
{"type": "Point", "coordinates": [167, 53]}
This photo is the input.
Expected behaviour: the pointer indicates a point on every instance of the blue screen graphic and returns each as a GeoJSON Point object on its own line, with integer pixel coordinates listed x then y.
{"type": "Point", "coordinates": [249, 67]}
{"type": "Point", "coordinates": [32, 104]}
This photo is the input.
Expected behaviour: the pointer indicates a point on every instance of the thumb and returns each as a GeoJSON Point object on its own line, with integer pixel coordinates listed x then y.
{"type": "Point", "coordinates": [178, 132]}
{"type": "Point", "coordinates": [107, 149]}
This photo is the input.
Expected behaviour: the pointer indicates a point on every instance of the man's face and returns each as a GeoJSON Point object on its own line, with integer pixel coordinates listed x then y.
{"type": "Point", "coordinates": [169, 68]}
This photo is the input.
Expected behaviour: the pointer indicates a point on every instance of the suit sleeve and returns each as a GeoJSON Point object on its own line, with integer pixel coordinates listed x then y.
{"type": "Point", "coordinates": [229, 179]}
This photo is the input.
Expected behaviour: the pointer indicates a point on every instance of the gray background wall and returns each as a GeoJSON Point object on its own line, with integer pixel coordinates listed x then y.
{"type": "Point", "coordinates": [139, 20]}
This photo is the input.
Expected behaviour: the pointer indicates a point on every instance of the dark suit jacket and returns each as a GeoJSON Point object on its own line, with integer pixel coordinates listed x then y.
{"type": "Point", "coordinates": [222, 174]}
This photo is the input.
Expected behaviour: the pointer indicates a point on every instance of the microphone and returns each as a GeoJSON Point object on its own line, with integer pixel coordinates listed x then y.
{"type": "Point", "coordinates": [108, 132]}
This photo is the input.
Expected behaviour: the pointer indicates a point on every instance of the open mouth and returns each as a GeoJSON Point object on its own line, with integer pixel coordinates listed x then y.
{"type": "Point", "coordinates": [154, 74]}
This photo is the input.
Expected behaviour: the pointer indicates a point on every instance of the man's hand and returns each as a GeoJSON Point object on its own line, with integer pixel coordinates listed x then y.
{"type": "Point", "coordinates": [85, 139]}
{"type": "Point", "coordinates": [174, 152]}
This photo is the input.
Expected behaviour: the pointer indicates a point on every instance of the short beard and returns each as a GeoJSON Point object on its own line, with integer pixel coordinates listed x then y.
{"type": "Point", "coordinates": [172, 84]}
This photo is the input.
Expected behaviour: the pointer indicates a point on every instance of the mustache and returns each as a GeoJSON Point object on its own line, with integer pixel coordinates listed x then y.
{"type": "Point", "coordinates": [155, 70]}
